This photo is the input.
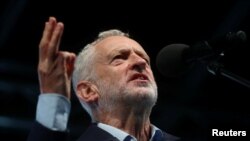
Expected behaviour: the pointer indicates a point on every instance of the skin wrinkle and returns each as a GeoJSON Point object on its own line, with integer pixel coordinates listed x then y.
{"type": "Point", "coordinates": [116, 99]}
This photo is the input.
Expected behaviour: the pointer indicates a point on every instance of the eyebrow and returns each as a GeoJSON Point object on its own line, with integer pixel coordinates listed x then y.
{"type": "Point", "coordinates": [116, 51]}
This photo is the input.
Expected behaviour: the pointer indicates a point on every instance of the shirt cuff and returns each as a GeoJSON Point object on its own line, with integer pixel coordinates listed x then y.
{"type": "Point", "coordinates": [53, 111]}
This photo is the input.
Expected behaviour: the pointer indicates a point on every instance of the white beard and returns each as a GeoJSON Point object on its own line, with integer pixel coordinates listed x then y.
{"type": "Point", "coordinates": [141, 96]}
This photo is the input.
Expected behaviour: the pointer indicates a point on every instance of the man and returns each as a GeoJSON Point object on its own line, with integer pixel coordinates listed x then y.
{"type": "Point", "coordinates": [113, 81]}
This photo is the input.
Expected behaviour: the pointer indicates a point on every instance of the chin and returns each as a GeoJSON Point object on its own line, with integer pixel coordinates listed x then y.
{"type": "Point", "coordinates": [143, 95]}
{"type": "Point", "coordinates": [144, 91]}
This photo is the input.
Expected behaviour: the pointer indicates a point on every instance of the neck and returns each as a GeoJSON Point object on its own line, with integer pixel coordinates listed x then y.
{"type": "Point", "coordinates": [132, 120]}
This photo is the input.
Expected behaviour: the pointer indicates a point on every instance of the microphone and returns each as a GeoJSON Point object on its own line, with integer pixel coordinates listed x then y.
{"type": "Point", "coordinates": [176, 59]}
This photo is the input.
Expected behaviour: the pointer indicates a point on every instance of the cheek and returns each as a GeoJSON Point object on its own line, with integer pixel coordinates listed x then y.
{"type": "Point", "coordinates": [117, 75]}
{"type": "Point", "coordinates": [151, 75]}
{"type": "Point", "coordinates": [102, 73]}
{"type": "Point", "coordinates": [110, 75]}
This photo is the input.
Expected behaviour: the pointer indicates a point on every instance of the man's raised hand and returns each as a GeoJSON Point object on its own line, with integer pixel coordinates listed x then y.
{"type": "Point", "coordinates": [55, 67]}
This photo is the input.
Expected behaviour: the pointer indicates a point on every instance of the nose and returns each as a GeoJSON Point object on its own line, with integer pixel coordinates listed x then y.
{"type": "Point", "coordinates": [137, 63]}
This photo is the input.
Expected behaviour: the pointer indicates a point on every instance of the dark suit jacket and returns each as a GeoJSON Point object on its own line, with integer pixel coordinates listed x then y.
{"type": "Point", "coordinates": [93, 133]}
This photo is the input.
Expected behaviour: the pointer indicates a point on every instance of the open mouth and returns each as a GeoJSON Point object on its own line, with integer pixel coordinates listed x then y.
{"type": "Point", "coordinates": [139, 76]}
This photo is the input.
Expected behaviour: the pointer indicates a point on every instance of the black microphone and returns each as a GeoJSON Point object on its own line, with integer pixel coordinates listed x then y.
{"type": "Point", "coordinates": [176, 59]}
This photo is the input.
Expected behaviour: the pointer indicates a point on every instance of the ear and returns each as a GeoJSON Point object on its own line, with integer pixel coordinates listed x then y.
{"type": "Point", "coordinates": [87, 92]}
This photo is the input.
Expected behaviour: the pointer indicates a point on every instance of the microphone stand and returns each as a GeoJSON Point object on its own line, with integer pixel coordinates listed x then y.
{"type": "Point", "coordinates": [217, 69]}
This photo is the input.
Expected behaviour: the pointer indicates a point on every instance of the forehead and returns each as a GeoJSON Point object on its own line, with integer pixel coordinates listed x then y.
{"type": "Point", "coordinates": [114, 43]}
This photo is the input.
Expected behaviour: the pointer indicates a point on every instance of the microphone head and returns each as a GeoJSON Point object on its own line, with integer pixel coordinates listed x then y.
{"type": "Point", "coordinates": [171, 62]}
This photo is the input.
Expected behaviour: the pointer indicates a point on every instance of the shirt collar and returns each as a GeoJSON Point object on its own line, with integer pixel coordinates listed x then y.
{"type": "Point", "coordinates": [121, 135]}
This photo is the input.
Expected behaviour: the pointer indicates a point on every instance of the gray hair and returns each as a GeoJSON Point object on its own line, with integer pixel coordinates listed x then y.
{"type": "Point", "coordinates": [84, 69]}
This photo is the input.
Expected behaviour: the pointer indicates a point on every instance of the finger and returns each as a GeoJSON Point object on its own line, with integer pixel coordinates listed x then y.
{"type": "Point", "coordinates": [62, 78]}
{"type": "Point", "coordinates": [46, 37]}
{"type": "Point", "coordinates": [67, 61]}
{"type": "Point", "coordinates": [48, 30]}
{"type": "Point", "coordinates": [55, 40]}
{"type": "Point", "coordinates": [64, 58]}
{"type": "Point", "coordinates": [70, 64]}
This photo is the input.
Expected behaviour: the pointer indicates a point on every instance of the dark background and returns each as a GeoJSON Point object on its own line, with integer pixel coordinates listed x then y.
{"type": "Point", "coordinates": [189, 106]}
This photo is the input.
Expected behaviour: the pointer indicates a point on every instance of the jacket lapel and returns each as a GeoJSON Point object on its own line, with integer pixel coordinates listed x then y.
{"type": "Point", "coordinates": [94, 133]}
